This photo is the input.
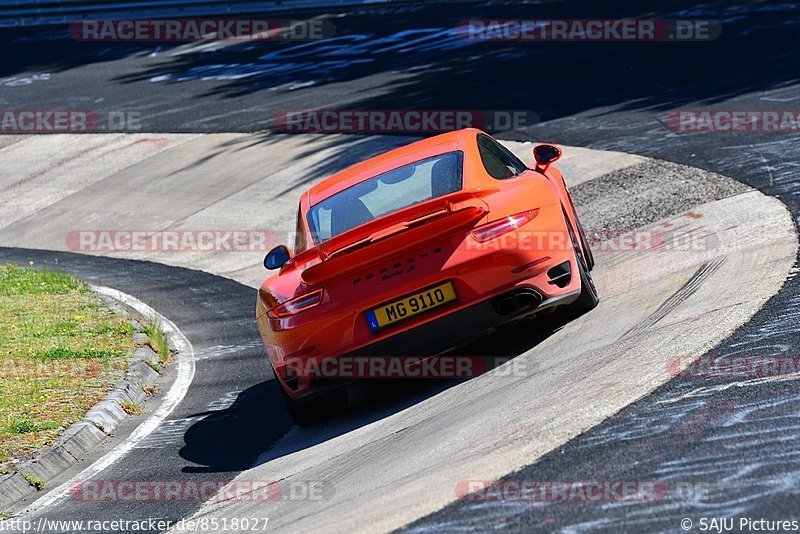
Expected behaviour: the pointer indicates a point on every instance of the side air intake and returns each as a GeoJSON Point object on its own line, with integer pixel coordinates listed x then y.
{"type": "Point", "coordinates": [560, 275]}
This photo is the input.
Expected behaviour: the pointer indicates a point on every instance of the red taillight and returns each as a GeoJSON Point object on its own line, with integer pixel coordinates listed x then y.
{"type": "Point", "coordinates": [297, 304]}
{"type": "Point", "coordinates": [503, 226]}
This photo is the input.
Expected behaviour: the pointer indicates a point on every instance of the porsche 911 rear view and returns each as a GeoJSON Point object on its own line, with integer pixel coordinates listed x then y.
{"type": "Point", "coordinates": [415, 252]}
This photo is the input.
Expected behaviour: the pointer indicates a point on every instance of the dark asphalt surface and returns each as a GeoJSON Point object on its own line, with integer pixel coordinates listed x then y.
{"type": "Point", "coordinates": [726, 448]}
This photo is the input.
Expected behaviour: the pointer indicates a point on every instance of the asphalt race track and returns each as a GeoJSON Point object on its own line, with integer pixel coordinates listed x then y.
{"type": "Point", "coordinates": [723, 447]}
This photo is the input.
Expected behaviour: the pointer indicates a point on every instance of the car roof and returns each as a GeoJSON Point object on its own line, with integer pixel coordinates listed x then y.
{"type": "Point", "coordinates": [432, 146]}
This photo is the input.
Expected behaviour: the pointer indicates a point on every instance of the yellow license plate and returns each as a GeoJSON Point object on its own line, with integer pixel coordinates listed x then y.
{"type": "Point", "coordinates": [411, 305]}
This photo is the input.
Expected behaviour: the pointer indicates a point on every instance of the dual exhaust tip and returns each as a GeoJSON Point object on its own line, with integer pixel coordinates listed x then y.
{"type": "Point", "coordinates": [526, 298]}
{"type": "Point", "coordinates": [517, 301]}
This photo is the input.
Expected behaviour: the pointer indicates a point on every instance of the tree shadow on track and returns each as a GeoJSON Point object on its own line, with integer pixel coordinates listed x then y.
{"type": "Point", "coordinates": [446, 69]}
{"type": "Point", "coordinates": [414, 59]}
{"type": "Point", "coordinates": [443, 70]}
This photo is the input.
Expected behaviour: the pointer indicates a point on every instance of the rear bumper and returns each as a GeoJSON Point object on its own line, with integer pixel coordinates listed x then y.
{"type": "Point", "coordinates": [481, 274]}
{"type": "Point", "coordinates": [431, 338]}
{"type": "Point", "coordinates": [454, 329]}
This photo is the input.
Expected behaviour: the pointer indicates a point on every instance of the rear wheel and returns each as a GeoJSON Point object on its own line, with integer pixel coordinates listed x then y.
{"type": "Point", "coordinates": [587, 251]}
{"type": "Point", "coordinates": [588, 299]}
{"type": "Point", "coordinates": [588, 256]}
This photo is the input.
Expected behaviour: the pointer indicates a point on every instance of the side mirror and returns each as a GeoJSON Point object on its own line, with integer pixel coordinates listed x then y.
{"type": "Point", "coordinates": [546, 154]}
{"type": "Point", "coordinates": [277, 257]}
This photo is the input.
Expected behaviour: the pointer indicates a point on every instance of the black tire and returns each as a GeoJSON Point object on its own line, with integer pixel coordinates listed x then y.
{"type": "Point", "coordinates": [589, 299]}
{"type": "Point", "coordinates": [588, 256]}
{"type": "Point", "coordinates": [314, 410]}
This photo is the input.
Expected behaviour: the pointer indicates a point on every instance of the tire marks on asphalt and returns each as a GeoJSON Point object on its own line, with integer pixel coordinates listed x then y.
{"type": "Point", "coordinates": [686, 291]}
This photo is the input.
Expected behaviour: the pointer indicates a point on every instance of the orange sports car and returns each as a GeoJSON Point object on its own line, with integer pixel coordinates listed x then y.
{"type": "Point", "coordinates": [415, 252]}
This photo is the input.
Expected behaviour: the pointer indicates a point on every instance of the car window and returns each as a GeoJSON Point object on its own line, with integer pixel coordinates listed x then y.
{"type": "Point", "coordinates": [498, 161]}
{"type": "Point", "coordinates": [386, 193]}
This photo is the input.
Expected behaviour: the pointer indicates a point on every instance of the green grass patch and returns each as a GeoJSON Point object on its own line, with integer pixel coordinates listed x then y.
{"type": "Point", "coordinates": [33, 480]}
{"type": "Point", "coordinates": [17, 281]}
{"type": "Point", "coordinates": [61, 351]}
{"type": "Point", "coordinates": [23, 427]}
{"type": "Point", "coordinates": [131, 408]}
{"type": "Point", "coordinates": [158, 341]}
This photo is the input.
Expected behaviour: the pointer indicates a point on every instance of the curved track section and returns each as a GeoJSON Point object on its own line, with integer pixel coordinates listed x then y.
{"type": "Point", "coordinates": [729, 443]}
{"type": "Point", "coordinates": [658, 306]}
{"type": "Point", "coordinates": [401, 451]}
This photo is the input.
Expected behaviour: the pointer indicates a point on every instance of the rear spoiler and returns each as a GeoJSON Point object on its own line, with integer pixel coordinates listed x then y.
{"type": "Point", "coordinates": [386, 237]}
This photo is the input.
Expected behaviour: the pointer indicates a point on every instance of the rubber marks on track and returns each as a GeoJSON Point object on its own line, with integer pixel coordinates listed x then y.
{"type": "Point", "coordinates": [675, 300]}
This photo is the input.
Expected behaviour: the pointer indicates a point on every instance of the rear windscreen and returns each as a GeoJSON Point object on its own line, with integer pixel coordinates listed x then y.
{"type": "Point", "coordinates": [386, 193]}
